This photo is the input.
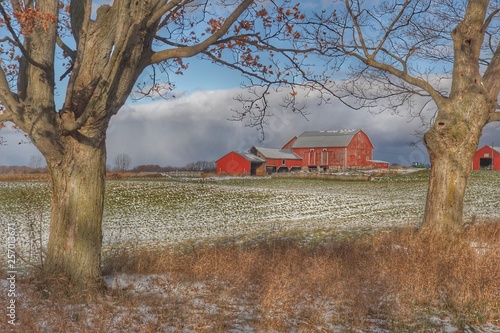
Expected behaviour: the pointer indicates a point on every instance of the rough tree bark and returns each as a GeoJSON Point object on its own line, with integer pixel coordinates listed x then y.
{"type": "Point", "coordinates": [74, 246]}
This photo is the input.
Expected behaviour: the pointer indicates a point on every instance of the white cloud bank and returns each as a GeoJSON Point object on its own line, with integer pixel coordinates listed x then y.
{"type": "Point", "coordinates": [196, 127]}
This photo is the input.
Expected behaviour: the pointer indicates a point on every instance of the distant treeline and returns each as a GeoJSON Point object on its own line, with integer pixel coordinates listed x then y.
{"type": "Point", "coordinates": [205, 166]}
{"type": "Point", "coordinates": [202, 166]}
{"type": "Point", "coordinates": [20, 170]}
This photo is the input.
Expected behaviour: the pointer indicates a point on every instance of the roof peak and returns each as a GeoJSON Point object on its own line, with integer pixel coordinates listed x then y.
{"type": "Point", "coordinates": [341, 131]}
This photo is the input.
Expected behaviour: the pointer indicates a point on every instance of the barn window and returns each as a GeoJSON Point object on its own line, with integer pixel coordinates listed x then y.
{"type": "Point", "coordinates": [283, 162]}
{"type": "Point", "coordinates": [312, 157]}
{"type": "Point", "coordinates": [486, 155]}
{"type": "Point", "coordinates": [324, 157]}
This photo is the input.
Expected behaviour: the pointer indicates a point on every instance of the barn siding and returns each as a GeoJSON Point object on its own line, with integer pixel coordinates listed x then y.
{"type": "Point", "coordinates": [358, 153]}
{"type": "Point", "coordinates": [233, 163]}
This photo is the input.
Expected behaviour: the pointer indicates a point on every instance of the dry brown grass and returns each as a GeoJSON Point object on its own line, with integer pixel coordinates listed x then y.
{"type": "Point", "coordinates": [44, 176]}
{"type": "Point", "coordinates": [394, 280]}
{"type": "Point", "coordinates": [20, 177]}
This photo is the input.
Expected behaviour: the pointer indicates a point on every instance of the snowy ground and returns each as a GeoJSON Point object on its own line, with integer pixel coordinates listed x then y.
{"type": "Point", "coordinates": [168, 211]}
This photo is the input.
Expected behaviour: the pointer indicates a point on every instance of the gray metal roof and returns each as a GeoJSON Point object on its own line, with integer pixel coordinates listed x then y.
{"type": "Point", "coordinates": [316, 139]}
{"type": "Point", "coordinates": [250, 157]}
{"type": "Point", "coordinates": [277, 153]}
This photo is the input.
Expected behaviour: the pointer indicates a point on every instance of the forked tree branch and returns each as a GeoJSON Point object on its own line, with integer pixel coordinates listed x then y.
{"type": "Point", "coordinates": [189, 51]}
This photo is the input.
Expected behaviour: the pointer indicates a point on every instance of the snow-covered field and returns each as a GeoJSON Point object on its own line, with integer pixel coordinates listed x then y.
{"type": "Point", "coordinates": [148, 211]}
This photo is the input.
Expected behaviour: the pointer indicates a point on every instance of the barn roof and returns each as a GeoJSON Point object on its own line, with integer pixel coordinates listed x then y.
{"type": "Point", "coordinates": [277, 153]}
{"type": "Point", "coordinates": [495, 148]}
{"type": "Point", "coordinates": [250, 157]}
{"type": "Point", "coordinates": [312, 139]}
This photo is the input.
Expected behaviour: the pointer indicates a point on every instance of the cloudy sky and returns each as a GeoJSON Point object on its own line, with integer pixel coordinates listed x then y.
{"type": "Point", "coordinates": [195, 126]}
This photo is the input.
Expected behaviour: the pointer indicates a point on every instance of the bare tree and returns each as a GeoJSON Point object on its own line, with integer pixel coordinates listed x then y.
{"type": "Point", "coordinates": [206, 166]}
{"type": "Point", "coordinates": [447, 52]}
{"type": "Point", "coordinates": [36, 161]}
{"type": "Point", "coordinates": [113, 45]}
{"type": "Point", "coordinates": [122, 162]}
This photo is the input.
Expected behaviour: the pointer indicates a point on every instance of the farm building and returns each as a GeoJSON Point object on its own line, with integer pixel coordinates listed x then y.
{"type": "Point", "coordinates": [325, 150]}
{"type": "Point", "coordinates": [240, 163]}
{"type": "Point", "coordinates": [312, 150]}
{"type": "Point", "coordinates": [277, 160]}
{"type": "Point", "coordinates": [487, 157]}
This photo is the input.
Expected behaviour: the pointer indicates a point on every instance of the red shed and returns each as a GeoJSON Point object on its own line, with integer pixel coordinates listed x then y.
{"type": "Point", "coordinates": [487, 157]}
{"type": "Point", "coordinates": [239, 163]}
{"type": "Point", "coordinates": [323, 150]}
{"type": "Point", "coordinates": [379, 164]}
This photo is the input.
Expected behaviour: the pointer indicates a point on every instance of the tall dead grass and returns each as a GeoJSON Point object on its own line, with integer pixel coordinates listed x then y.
{"type": "Point", "coordinates": [396, 280]}
{"type": "Point", "coordinates": [395, 276]}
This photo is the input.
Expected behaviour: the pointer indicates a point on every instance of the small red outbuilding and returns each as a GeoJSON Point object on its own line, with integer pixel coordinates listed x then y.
{"type": "Point", "coordinates": [487, 157]}
{"type": "Point", "coordinates": [239, 162]}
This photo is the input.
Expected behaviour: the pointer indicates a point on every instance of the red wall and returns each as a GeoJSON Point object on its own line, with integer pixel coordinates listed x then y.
{"type": "Point", "coordinates": [360, 150]}
{"type": "Point", "coordinates": [334, 156]}
{"type": "Point", "coordinates": [233, 163]}
{"type": "Point", "coordinates": [486, 152]}
{"type": "Point", "coordinates": [279, 163]}
{"type": "Point", "coordinates": [380, 164]}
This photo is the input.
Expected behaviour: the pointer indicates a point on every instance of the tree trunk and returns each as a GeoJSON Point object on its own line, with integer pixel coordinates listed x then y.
{"type": "Point", "coordinates": [76, 215]}
{"type": "Point", "coordinates": [445, 196]}
{"type": "Point", "coordinates": [451, 144]}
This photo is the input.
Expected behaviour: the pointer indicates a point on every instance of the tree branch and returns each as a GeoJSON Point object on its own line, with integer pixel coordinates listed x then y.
{"type": "Point", "coordinates": [491, 75]}
{"type": "Point", "coordinates": [495, 116]}
{"type": "Point", "coordinates": [71, 53]}
{"type": "Point", "coordinates": [7, 98]}
{"type": "Point", "coordinates": [6, 116]}
{"type": "Point", "coordinates": [159, 12]}
{"type": "Point", "coordinates": [17, 42]}
{"type": "Point", "coordinates": [81, 18]}
{"type": "Point", "coordinates": [189, 51]}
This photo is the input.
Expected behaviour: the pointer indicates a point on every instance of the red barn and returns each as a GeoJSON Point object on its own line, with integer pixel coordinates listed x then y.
{"type": "Point", "coordinates": [277, 160]}
{"type": "Point", "coordinates": [324, 150]}
{"type": "Point", "coordinates": [487, 157]}
{"type": "Point", "coordinates": [238, 162]}
{"type": "Point", "coordinates": [313, 150]}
